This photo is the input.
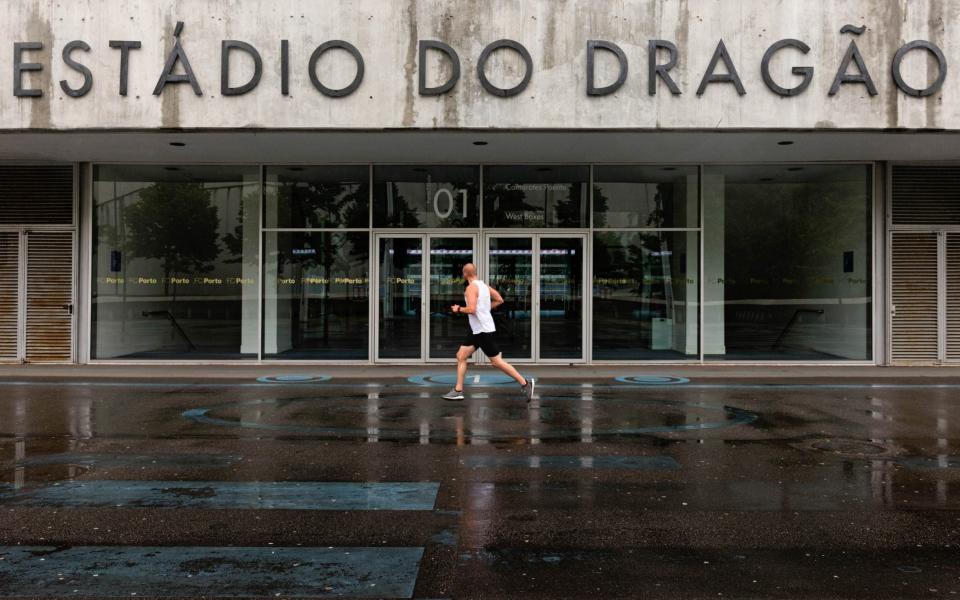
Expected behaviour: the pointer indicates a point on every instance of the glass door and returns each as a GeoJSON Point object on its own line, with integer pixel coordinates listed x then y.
{"type": "Point", "coordinates": [446, 331]}
{"type": "Point", "coordinates": [541, 279]}
{"type": "Point", "coordinates": [509, 270]}
{"type": "Point", "coordinates": [414, 321]}
{"type": "Point", "coordinates": [560, 306]}
{"type": "Point", "coordinates": [400, 299]}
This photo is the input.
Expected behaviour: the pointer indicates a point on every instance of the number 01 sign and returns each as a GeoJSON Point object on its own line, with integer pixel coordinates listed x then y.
{"type": "Point", "coordinates": [445, 197]}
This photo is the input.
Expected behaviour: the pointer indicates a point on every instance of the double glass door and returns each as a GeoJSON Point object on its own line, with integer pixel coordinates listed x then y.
{"type": "Point", "coordinates": [418, 279]}
{"type": "Point", "coordinates": [541, 279]}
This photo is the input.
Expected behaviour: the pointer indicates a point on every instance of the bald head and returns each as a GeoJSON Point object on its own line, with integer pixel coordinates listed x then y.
{"type": "Point", "coordinates": [469, 271]}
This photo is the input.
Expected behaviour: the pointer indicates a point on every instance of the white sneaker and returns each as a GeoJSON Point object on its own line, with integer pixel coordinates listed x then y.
{"type": "Point", "coordinates": [453, 394]}
{"type": "Point", "coordinates": [528, 389]}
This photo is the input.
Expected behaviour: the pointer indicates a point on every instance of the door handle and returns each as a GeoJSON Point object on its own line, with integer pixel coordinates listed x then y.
{"type": "Point", "coordinates": [68, 308]}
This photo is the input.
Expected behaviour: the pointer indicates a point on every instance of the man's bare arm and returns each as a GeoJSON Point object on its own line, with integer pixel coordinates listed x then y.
{"type": "Point", "coordinates": [495, 298]}
{"type": "Point", "coordinates": [471, 307]}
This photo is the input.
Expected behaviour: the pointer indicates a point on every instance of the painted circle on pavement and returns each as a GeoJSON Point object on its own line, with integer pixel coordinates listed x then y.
{"type": "Point", "coordinates": [653, 380]}
{"type": "Point", "coordinates": [293, 378]}
{"type": "Point", "coordinates": [449, 379]}
{"type": "Point", "coordinates": [412, 417]}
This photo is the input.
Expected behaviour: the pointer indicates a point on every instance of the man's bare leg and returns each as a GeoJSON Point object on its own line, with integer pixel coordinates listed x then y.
{"type": "Point", "coordinates": [463, 355]}
{"type": "Point", "coordinates": [507, 368]}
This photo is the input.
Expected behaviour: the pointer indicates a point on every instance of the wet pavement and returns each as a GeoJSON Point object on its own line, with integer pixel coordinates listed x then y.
{"type": "Point", "coordinates": [159, 482]}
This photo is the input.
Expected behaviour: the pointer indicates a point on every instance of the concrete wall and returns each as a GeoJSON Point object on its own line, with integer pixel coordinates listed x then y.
{"type": "Point", "coordinates": [554, 31]}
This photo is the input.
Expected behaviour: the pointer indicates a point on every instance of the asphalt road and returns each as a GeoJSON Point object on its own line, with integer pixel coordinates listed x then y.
{"type": "Point", "coordinates": [672, 487]}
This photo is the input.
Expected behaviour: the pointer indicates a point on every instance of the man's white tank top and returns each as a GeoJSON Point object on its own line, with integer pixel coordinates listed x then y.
{"type": "Point", "coordinates": [482, 321]}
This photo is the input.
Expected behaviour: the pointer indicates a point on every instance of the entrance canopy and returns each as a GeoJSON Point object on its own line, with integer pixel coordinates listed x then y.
{"type": "Point", "coordinates": [461, 146]}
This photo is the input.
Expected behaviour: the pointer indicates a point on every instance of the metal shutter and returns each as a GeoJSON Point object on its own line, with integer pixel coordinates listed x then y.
{"type": "Point", "coordinates": [9, 294]}
{"type": "Point", "coordinates": [926, 195]}
{"type": "Point", "coordinates": [953, 297]}
{"type": "Point", "coordinates": [914, 331]}
{"type": "Point", "coordinates": [49, 322]}
{"type": "Point", "coordinates": [31, 195]}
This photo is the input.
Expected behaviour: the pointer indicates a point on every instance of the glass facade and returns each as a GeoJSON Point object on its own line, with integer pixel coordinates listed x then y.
{"type": "Point", "coordinates": [315, 293]}
{"type": "Point", "coordinates": [646, 263]}
{"type": "Point", "coordinates": [788, 262]}
{"type": "Point", "coordinates": [175, 262]}
{"type": "Point", "coordinates": [603, 263]}
{"type": "Point", "coordinates": [535, 196]}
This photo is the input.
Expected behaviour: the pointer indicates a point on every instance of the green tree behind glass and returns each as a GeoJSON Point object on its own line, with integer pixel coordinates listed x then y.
{"type": "Point", "coordinates": [175, 223]}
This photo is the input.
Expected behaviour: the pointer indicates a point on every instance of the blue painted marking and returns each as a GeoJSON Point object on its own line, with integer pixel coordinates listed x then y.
{"type": "Point", "coordinates": [449, 379]}
{"type": "Point", "coordinates": [229, 495]}
{"type": "Point", "coordinates": [735, 417]}
{"type": "Point", "coordinates": [652, 463]}
{"type": "Point", "coordinates": [653, 380]}
{"type": "Point", "coordinates": [447, 537]}
{"type": "Point", "coordinates": [293, 378]}
{"type": "Point", "coordinates": [195, 572]}
{"type": "Point", "coordinates": [212, 461]}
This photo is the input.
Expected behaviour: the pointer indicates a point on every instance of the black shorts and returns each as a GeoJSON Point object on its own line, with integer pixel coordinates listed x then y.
{"type": "Point", "coordinates": [485, 341]}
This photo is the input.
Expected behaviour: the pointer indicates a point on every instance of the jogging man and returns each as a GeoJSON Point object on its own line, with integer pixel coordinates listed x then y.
{"type": "Point", "coordinates": [481, 299]}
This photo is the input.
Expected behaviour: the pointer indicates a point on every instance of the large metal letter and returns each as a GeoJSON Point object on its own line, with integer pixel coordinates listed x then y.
{"type": "Point", "coordinates": [315, 58]}
{"type": "Point", "coordinates": [592, 89]}
{"type": "Point", "coordinates": [226, 46]}
{"type": "Point", "coordinates": [19, 67]}
{"type": "Point", "coordinates": [422, 68]}
{"type": "Point", "coordinates": [730, 76]}
{"type": "Point", "coordinates": [125, 48]}
{"type": "Point", "coordinates": [806, 72]}
{"type": "Point", "coordinates": [482, 65]}
{"type": "Point", "coordinates": [87, 75]}
{"type": "Point", "coordinates": [934, 87]}
{"type": "Point", "coordinates": [177, 54]}
{"type": "Point", "coordinates": [662, 71]}
{"type": "Point", "coordinates": [853, 55]}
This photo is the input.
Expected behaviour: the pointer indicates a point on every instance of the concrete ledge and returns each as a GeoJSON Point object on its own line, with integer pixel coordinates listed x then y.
{"type": "Point", "coordinates": [249, 373]}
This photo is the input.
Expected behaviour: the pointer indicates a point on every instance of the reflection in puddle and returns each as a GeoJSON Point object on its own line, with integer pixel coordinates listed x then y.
{"type": "Point", "coordinates": [581, 417]}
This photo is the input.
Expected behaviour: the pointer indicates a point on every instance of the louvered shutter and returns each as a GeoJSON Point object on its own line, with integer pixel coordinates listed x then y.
{"type": "Point", "coordinates": [914, 297]}
{"type": "Point", "coordinates": [49, 323]}
{"type": "Point", "coordinates": [953, 297]}
{"type": "Point", "coordinates": [9, 293]}
{"type": "Point", "coordinates": [31, 195]}
{"type": "Point", "coordinates": [924, 195]}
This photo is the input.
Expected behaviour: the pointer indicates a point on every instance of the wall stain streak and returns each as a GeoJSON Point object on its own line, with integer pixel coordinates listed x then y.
{"type": "Point", "coordinates": [410, 67]}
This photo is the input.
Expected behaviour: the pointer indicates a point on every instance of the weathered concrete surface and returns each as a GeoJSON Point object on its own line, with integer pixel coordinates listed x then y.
{"type": "Point", "coordinates": [555, 32]}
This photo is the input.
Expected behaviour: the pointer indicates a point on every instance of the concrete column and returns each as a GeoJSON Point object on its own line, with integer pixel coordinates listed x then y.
{"type": "Point", "coordinates": [713, 264]}
{"type": "Point", "coordinates": [250, 261]}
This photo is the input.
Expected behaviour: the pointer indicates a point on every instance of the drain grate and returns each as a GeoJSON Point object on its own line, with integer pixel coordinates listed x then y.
{"type": "Point", "coordinates": [850, 447]}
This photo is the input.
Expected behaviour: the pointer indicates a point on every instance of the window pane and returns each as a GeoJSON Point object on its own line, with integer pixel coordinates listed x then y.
{"type": "Point", "coordinates": [788, 262]}
{"type": "Point", "coordinates": [316, 295]}
{"type": "Point", "coordinates": [645, 292]}
{"type": "Point", "coordinates": [317, 197]}
{"type": "Point", "coordinates": [535, 196]}
{"type": "Point", "coordinates": [401, 297]}
{"type": "Point", "coordinates": [510, 272]}
{"type": "Point", "coordinates": [426, 196]}
{"type": "Point", "coordinates": [175, 263]}
{"type": "Point", "coordinates": [561, 297]}
{"type": "Point", "coordinates": [639, 197]}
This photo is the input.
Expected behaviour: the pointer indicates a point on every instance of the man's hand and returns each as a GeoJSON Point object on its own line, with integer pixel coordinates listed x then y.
{"type": "Point", "coordinates": [455, 308]}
